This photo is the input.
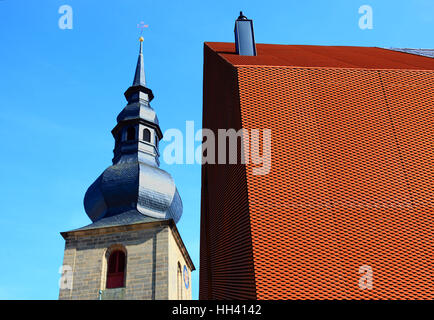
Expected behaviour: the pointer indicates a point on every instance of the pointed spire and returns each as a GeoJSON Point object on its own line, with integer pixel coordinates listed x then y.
{"type": "Point", "coordinates": [139, 77]}
{"type": "Point", "coordinates": [138, 90]}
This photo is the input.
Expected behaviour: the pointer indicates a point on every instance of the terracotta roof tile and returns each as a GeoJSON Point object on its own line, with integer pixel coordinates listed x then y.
{"type": "Point", "coordinates": [323, 56]}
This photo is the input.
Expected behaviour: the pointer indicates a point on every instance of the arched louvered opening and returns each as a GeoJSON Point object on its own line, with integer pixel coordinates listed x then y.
{"type": "Point", "coordinates": [146, 135]}
{"type": "Point", "coordinates": [116, 270]}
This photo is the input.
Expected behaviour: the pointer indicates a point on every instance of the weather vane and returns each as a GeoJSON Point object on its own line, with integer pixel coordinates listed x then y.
{"type": "Point", "coordinates": [142, 26]}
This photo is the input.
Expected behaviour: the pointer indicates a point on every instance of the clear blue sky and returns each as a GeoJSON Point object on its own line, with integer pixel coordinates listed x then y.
{"type": "Point", "coordinates": [61, 90]}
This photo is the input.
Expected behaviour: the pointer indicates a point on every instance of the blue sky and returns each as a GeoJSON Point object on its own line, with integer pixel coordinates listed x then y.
{"type": "Point", "coordinates": [61, 90]}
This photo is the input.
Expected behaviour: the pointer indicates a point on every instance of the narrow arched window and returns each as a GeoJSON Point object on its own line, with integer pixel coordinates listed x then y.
{"type": "Point", "coordinates": [179, 281]}
{"type": "Point", "coordinates": [116, 270]}
{"type": "Point", "coordinates": [146, 135]}
{"type": "Point", "coordinates": [131, 134]}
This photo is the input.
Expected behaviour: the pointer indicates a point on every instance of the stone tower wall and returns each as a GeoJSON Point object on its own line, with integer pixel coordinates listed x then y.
{"type": "Point", "coordinates": [152, 255]}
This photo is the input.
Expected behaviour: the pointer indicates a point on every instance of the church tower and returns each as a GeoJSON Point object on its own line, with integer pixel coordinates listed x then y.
{"type": "Point", "coordinates": [132, 248]}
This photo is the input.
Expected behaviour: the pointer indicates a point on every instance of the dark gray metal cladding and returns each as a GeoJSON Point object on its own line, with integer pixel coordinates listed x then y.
{"type": "Point", "coordinates": [139, 75]}
{"type": "Point", "coordinates": [119, 187]}
{"type": "Point", "coordinates": [125, 218]}
{"type": "Point", "coordinates": [94, 202]}
{"type": "Point", "coordinates": [421, 52]}
{"type": "Point", "coordinates": [158, 195]}
{"type": "Point", "coordinates": [138, 110]}
{"type": "Point", "coordinates": [135, 183]}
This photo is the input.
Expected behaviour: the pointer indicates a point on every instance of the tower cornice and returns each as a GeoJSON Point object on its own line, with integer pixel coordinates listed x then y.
{"type": "Point", "coordinates": [145, 122]}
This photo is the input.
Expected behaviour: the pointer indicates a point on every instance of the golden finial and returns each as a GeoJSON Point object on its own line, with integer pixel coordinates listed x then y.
{"type": "Point", "coordinates": [141, 39]}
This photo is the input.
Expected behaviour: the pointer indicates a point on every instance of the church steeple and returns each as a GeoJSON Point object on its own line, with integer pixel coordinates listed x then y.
{"type": "Point", "coordinates": [139, 76]}
{"type": "Point", "coordinates": [135, 179]}
{"type": "Point", "coordinates": [138, 132]}
{"type": "Point", "coordinates": [132, 249]}
{"type": "Point", "coordinates": [138, 89]}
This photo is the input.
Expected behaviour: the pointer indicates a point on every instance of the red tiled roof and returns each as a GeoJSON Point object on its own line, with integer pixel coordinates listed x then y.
{"type": "Point", "coordinates": [323, 57]}
{"type": "Point", "coordinates": [351, 182]}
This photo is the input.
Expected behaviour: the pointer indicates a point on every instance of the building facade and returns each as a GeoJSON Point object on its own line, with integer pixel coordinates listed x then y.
{"type": "Point", "coordinates": [132, 249]}
{"type": "Point", "coordinates": [346, 210]}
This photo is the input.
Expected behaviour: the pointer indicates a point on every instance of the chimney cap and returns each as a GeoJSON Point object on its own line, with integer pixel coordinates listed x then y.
{"type": "Point", "coordinates": [242, 17]}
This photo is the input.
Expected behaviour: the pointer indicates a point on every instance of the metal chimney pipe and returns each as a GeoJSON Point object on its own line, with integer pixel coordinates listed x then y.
{"type": "Point", "coordinates": [244, 36]}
